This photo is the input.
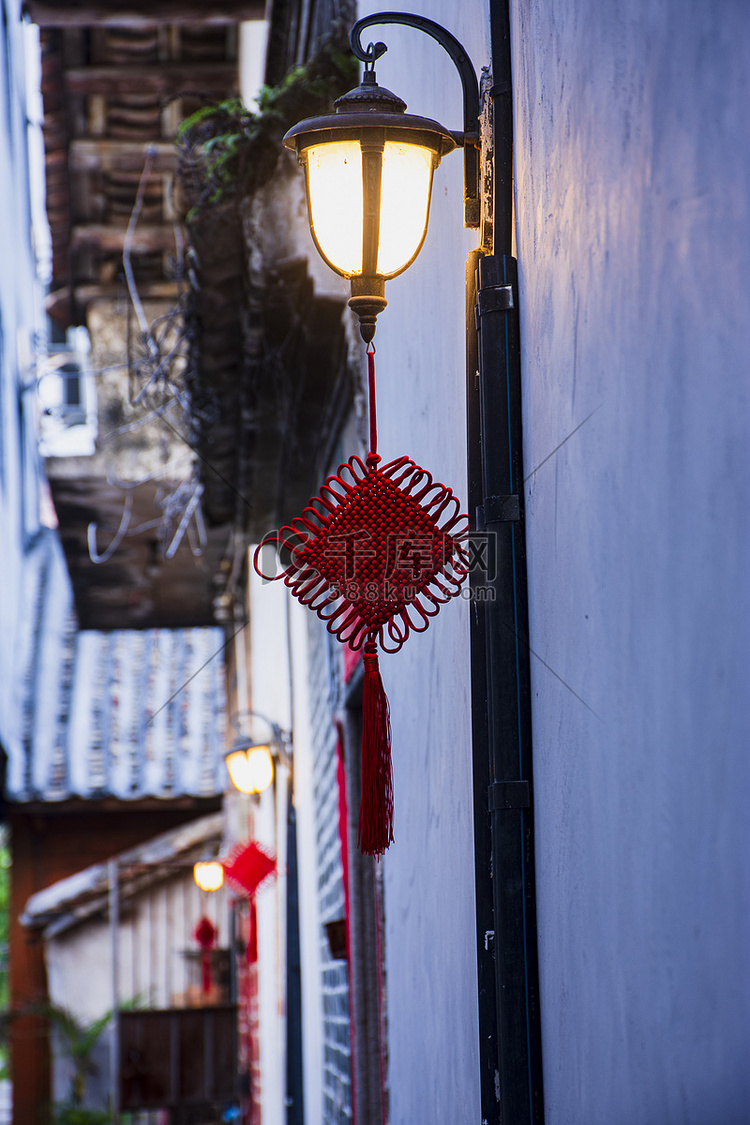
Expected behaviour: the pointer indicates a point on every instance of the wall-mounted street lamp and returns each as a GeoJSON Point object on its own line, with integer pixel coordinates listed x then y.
{"type": "Point", "coordinates": [368, 170]}
{"type": "Point", "coordinates": [250, 761]}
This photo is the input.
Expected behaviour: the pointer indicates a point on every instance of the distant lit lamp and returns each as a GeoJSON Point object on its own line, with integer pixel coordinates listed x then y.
{"type": "Point", "coordinates": [250, 761]}
{"type": "Point", "coordinates": [209, 875]}
{"type": "Point", "coordinates": [368, 169]}
{"type": "Point", "coordinates": [250, 766]}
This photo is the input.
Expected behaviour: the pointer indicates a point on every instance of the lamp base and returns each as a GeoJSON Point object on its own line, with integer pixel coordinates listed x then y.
{"type": "Point", "coordinates": [367, 300]}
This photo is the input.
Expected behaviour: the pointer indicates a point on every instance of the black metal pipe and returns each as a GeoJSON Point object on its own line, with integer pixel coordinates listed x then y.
{"type": "Point", "coordinates": [501, 93]}
{"type": "Point", "coordinates": [499, 631]}
{"type": "Point", "coordinates": [510, 796]}
{"type": "Point", "coordinates": [295, 1102]}
{"type": "Point", "coordinates": [487, 1010]}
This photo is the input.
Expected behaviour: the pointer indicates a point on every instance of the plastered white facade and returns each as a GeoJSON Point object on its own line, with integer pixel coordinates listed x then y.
{"type": "Point", "coordinates": [20, 319]}
{"type": "Point", "coordinates": [271, 697]}
{"type": "Point", "coordinates": [632, 190]}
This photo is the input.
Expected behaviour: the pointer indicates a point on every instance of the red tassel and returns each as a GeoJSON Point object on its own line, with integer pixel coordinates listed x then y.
{"type": "Point", "coordinates": [376, 809]}
{"type": "Point", "coordinates": [252, 945]}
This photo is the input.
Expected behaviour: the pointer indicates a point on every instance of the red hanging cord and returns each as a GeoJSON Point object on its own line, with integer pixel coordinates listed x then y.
{"type": "Point", "coordinates": [376, 808]}
{"type": "Point", "coordinates": [371, 403]}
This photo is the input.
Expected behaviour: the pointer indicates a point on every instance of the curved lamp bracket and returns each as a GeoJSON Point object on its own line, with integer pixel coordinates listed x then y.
{"type": "Point", "coordinates": [470, 136]}
{"type": "Point", "coordinates": [281, 739]}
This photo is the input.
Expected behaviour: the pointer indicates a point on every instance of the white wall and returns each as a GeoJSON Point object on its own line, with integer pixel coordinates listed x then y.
{"type": "Point", "coordinates": [633, 182]}
{"type": "Point", "coordinates": [281, 693]}
{"type": "Point", "coordinates": [253, 41]}
{"type": "Point", "coordinates": [429, 883]}
{"type": "Point", "coordinates": [309, 919]}
{"type": "Point", "coordinates": [20, 318]}
{"type": "Point", "coordinates": [271, 697]}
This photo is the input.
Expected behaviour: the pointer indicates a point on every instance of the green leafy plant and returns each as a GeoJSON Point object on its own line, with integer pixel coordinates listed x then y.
{"type": "Point", "coordinates": [77, 1040]}
{"type": "Point", "coordinates": [210, 141]}
{"type": "Point", "coordinates": [225, 148]}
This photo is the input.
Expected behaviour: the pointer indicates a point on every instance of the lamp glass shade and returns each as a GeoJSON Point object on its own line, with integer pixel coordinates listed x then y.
{"type": "Point", "coordinates": [404, 204]}
{"type": "Point", "coordinates": [251, 769]}
{"type": "Point", "coordinates": [334, 184]}
{"type": "Point", "coordinates": [209, 875]}
{"type": "Point", "coordinates": [337, 204]}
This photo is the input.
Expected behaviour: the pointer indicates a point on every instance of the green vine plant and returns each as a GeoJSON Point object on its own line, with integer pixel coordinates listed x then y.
{"type": "Point", "coordinates": [77, 1039]}
{"type": "Point", "coordinates": [227, 150]}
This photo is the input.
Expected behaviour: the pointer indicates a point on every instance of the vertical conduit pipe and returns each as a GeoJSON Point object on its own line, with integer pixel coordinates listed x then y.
{"type": "Point", "coordinates": [510, 1028]}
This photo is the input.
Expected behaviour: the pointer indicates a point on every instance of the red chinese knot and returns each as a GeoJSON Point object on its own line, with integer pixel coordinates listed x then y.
{"type": "Point", "coordinates": [249, 866]}
{"type": "Point", "coordinates": [377, 553]}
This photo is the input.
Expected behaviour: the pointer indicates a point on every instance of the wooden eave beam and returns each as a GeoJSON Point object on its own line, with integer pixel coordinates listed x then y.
{"type": "Point", "coordinates": [58, 301]}
{"type": "Point", "coordinates": [163, 80]}
{"type": "Point", "coordinates": [140, 13]}
{"type": "Point", "coordinates": [120, 156]}
{"type": "Point", "coordinates": [148, 238]}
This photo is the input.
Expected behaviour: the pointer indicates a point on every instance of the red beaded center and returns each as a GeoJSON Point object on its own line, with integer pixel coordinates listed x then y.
{"type": "Point", "coordinates": [379, 550]}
